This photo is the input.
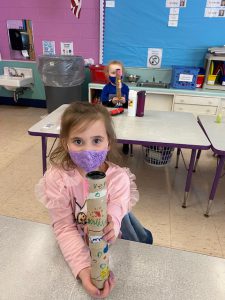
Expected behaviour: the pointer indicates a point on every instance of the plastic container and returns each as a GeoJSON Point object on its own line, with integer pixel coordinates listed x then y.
{"type": "Point", "coordinates": [200, 81]}
{"type": "Point", "coordinates": [157, 156]}
{"type": "Point", "coordinates": [98, 74]}
{"type": "Point", "coordinates": [140, 103]}
{"type": "Point", "coordinates": [223, 80]}
{"type": "Point", "coordinates": [132, 104]}
{"type": "Point", "coordinates": [211, 79]}
{"type": "Point", "coordinates": [184, 77]}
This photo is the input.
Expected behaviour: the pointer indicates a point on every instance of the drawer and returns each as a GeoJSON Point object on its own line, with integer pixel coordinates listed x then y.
{"type": "Point", "coordinates": [196, 100]}
{"type": "Point", "coordinates": [196, 109]}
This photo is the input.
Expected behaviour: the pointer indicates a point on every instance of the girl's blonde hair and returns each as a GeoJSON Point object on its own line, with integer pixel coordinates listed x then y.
{"type": "Point", "coordinates": [79, 115]}
{"type": "Point", "coordinates": [114, 62]}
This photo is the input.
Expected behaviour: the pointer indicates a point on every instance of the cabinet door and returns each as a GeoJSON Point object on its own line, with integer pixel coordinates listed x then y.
{"type": "Point", "coordinates": [195, 109]}
{"type": "Point", "coordinates": [161, 102]}
{"type": "Point", "coordinates": [185, 99]}
{"type": "Point", "coordinates": [223, 103]}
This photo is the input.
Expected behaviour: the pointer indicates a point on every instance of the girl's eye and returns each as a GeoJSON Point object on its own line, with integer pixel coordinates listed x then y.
{"type": "Point", "coordinates": [97, 141]}
{"type": "Point", "coordinates": [77, 142]}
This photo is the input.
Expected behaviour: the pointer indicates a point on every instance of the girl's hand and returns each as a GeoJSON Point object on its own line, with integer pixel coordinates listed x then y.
{"type": "Point", "coordinates": [85, 276]}
{"type": "Point", "coordinates": [109, 233]}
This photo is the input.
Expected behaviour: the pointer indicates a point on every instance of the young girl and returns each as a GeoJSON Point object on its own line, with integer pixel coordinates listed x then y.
{"type": "Point", "coordinates": [87, 140]}
{"type": "Point", "coordinates": [108, 95]}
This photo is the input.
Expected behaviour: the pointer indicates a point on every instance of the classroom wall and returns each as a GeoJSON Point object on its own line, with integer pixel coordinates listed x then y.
{"type": "Point", "coordinates": [53, 20]}
{"type": "Point", "coordinates": [131, 27]}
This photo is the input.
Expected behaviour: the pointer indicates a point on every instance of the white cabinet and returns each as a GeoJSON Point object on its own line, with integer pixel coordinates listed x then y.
{"type": "Point", "coordinates": [197, 105]}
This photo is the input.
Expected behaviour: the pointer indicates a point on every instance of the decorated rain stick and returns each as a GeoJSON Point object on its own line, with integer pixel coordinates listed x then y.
{"type": "Point", "coordinates": [118, 83]}
{"type": "Point", "coordinates": [96, 221]}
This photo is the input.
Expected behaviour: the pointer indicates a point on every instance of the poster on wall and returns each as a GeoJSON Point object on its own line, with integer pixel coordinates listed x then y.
{"type": "Point", "coordinates": [215, 9]}
{"type": "Point", "coordinates": [66, 48]}
{"type": "Point", "coordinates": [48, 47]}
{"type": "Point", "coordinates": [176, 3]}
{"type": "Point", "coordinates": [215, 3]}
{"type": "Point", "coordinates": [154, 59]}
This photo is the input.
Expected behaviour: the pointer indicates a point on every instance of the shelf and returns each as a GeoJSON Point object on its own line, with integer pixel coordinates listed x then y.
{"type": "Point", "coordinates": [215, 57]}
{"type": "Point", "coordinates": [214, 87]}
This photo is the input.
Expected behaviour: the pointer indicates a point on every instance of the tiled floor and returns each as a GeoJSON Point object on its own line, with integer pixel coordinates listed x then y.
{"type": "Point", "coordinates": [161, 189]}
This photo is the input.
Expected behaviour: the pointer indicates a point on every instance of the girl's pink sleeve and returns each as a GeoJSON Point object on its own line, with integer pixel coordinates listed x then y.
{"type": "Point", "coordinates": [123, 194]}
{"type": "Point", "coordinates": [52, 192]}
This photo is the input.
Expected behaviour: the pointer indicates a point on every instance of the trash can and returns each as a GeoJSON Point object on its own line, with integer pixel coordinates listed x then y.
{"type": "Point", "coordinates": [157, 156]}
{"type": "Point", "coordinates": [62, 77]}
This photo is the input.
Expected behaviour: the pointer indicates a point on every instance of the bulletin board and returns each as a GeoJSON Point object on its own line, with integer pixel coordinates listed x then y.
{"type": "Point", "coordinates": [131, 27]}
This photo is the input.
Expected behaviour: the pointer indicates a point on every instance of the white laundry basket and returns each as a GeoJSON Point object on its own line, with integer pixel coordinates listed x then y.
{"type": "Point", "coordinates": [157, 156]}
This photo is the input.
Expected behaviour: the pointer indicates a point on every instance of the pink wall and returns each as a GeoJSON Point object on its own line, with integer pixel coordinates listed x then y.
{"type": "Point", "coordinates": [53, 21]}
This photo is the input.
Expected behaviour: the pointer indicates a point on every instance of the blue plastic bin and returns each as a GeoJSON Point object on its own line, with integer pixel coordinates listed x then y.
{"type": "Point", "coordinates": [184, 77]}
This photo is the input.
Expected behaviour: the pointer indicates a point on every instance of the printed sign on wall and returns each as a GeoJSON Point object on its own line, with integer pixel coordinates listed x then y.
{"type": "Point", "coordinates": [67, 48]}
{"type": "Point", "coordinates": [154, 58]}
{"type": "Point", "coordinates": [48, 47]}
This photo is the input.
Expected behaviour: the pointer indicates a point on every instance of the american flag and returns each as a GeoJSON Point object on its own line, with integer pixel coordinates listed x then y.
{"type": "Point", "coordinates": [76, 7]}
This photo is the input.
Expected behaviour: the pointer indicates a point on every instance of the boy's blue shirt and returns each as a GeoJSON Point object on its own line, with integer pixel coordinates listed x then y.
{"type": "Point", "coordinates": [109, 91]}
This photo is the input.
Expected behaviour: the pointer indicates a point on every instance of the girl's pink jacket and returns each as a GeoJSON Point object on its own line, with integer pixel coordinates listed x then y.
{"type": "Point", "coordinates": [64, 193]}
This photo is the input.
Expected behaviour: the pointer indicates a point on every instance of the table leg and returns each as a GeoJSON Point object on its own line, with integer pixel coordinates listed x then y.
{"type": "Point", "coordinates": [215, 183]}
{"type": "Point", "coordinates": [189, 175]}
{"type": "Point", "coordinates": [131, 150]}
{"type": "Point", "coordinates": [44, 151]}
{"type": "Point", "coordinates": [197, 159]}
{"type": "Point", "coordinates": [178, 156]}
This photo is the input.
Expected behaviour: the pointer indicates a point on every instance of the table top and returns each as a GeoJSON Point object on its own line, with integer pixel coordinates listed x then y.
{"type": "Point", "coordinates": [215, 132]}
{"type": "Point", "coordinates": [178, 129]}
{"type": "Point", "coordinates": [32, 267]}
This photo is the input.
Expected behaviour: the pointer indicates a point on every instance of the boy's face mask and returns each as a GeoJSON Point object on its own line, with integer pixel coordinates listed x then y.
{"type": "Point", "coordinates": [88, 160]}
{"type": "Point", "coordinates": [113, 79]}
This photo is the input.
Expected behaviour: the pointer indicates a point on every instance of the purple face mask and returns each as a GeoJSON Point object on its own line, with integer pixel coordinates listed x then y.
{"type": "Point", "coordinates": [89, 160]}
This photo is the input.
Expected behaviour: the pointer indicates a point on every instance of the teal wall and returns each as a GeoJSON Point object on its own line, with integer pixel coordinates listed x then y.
{"type": "Point", "coordinates": [37, 92]}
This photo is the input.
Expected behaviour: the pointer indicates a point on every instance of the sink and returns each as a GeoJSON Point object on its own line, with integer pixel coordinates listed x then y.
{"type": "Point", "coordinates": [154, 84]}
{"type": "Point", "coordinates": [16, 78]}
{"type": "Point", "coordinates": [12, 83]}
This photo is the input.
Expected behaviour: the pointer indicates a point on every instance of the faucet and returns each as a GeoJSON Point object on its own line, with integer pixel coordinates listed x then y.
{"type": "Point", "coordinates": [14, 73]}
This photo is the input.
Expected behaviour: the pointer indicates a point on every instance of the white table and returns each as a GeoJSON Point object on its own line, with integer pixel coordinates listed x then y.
{"type": "Point", "coordinates": [216, 135]}
{"type": "Point", "coordinates": [169, 129]}
{"type": "Point", "coordinates": [32, 267]}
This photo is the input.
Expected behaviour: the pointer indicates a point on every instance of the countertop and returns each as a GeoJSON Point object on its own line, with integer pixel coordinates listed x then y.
{"type": "Point", "coordinates": [170, 91]}
{"type": "Point", "coordinates": [32, 267]}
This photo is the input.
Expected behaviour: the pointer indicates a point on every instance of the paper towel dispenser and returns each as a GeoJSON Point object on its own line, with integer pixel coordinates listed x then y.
{"type": "Point", "coordinates": [19, 39]}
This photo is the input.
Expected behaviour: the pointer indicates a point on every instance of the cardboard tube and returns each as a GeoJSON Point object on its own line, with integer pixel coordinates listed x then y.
{"type": "Point", "coordinates": [96, 221]}
{"type": "Point", "coordinates": [118, 83]}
